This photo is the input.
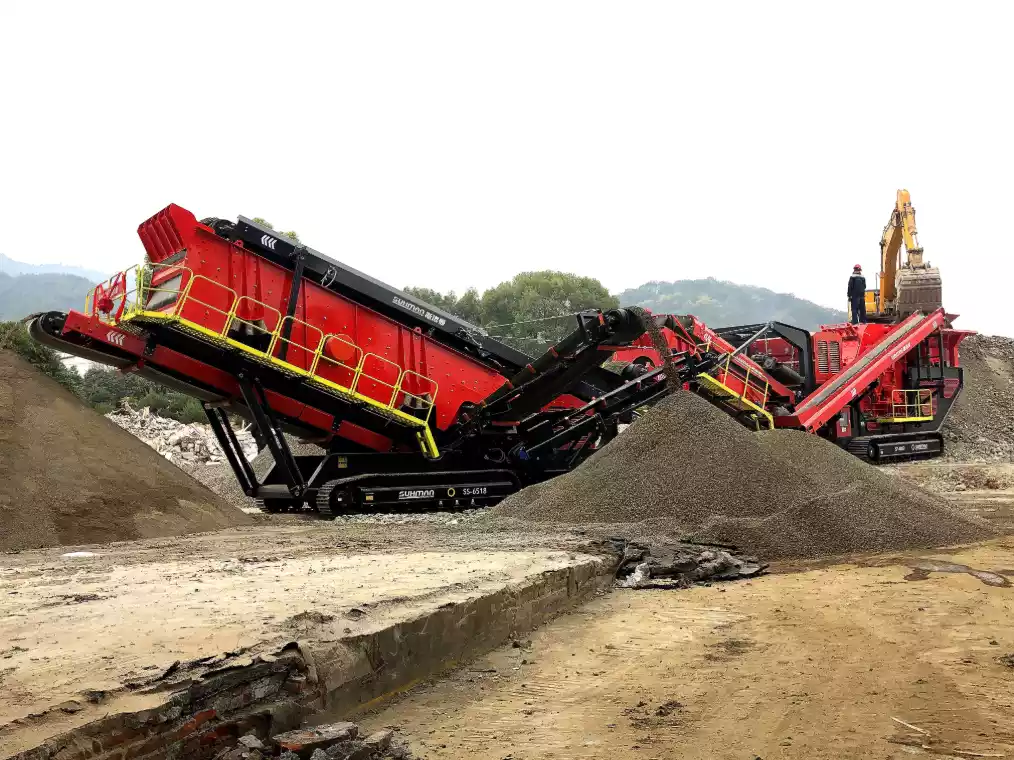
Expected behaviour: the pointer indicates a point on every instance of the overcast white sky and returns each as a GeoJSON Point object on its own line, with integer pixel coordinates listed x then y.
{"type": "Point", "coordinates": [454, 144]}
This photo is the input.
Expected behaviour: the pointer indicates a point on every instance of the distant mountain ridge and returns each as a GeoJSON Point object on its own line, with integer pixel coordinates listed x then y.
{"type": "Point", "coordinates": [14, 268]}
{"type": "Point", "coordinates": [723, 304]}
{"type": "Point", "coordinates": [28, 288]}
{"type": "Point", "coordinates": [29, 293]}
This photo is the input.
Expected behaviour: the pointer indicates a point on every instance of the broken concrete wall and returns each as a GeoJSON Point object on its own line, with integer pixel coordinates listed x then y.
{"type": "Point", "coordinates": [205, 712]}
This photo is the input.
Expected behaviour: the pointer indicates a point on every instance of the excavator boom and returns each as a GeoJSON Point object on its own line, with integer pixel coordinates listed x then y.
{"type": "Point", "coordinates": [909, 232]}
{"type": "Point", "coordinates": [909, 286]}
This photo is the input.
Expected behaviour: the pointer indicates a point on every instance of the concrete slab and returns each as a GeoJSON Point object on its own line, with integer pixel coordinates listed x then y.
{"type": "Point", "coordinates": [123, 630]}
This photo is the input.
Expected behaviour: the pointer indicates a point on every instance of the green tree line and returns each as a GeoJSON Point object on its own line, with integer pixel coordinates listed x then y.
{"type": "Point", "coordinates": [529, 312]}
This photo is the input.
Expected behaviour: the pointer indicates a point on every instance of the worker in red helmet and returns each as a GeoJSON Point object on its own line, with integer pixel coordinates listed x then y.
{"type": "Point", "coordinates": [857, 295]}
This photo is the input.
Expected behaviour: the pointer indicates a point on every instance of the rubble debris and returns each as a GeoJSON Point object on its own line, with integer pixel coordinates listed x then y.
{"type": "Point", "coordinates": [681, 565]}
{"type": "Point", "coordinates": [183, 444]}
{"type": "Point", "coordinates": [250, 741]}
{"type": "Point", "coordinates": [687, 470]}
{"type": "Point", "coordinates": [71, 477]}
{"type": "Point", "coordinates": [304, 741]}
{"type": "Point", "coordinates": [379, 740]}
{"type": "Point", "coordinates": [334, 741]}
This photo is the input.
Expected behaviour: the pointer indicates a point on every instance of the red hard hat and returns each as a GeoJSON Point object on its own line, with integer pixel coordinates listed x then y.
{"type": "Point", "coordinates": [858, 266]}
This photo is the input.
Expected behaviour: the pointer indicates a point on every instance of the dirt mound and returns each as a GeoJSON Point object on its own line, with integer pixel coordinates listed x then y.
{"type": "Point", "coordinates": [686, 470]}
{"type": "Point", "coordinates": [979, 426]}
{"type": "Point", "coordinates": [69, 476]}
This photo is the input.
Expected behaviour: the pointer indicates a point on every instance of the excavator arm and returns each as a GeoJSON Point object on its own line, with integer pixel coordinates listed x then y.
{"type": "Point", "coordinates": [910, 235]}
{"type": "Point", "coordinates": [912, 285]}
{"type": "Point", "coordinates": [890, 247]}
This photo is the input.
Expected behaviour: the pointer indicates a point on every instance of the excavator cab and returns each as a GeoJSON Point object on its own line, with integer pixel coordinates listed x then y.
{"type": "Point", "coordinates": [872, 302]}
{"type": "Point", "coordinates": [872, 306]}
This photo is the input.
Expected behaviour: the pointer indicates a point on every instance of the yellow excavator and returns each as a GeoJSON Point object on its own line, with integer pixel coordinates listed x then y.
{"type": "Point", "coordinates": [904, 287]}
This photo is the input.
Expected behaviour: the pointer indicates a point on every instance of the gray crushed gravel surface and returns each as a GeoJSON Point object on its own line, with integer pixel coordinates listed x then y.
{"type": "Point", "coordinates": [979, 426]}
{"type": "Point", "coordinates": [687, 470]}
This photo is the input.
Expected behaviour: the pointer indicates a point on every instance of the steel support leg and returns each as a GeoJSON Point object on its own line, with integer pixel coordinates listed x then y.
{"type": "Point", "coordinates": [226, 436]}
{"type": "Point", "coordinates": [257, 402]}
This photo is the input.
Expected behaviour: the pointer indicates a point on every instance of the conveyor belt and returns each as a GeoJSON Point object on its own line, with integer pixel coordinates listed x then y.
{"type": "Point", "coordinates": [848, 375]}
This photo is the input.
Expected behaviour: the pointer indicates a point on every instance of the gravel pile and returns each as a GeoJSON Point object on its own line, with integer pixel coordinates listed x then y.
{"type": "Point", "coordinates": [979, 426]}
{"type": "Point", "coordinates": [688, 471]}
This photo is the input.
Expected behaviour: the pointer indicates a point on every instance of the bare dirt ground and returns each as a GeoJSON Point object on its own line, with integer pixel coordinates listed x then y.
{"type": "Point", "coordinates": [879, 658]}
{"type": "Point", "coordinates": [815, 661]}
{"type": "Point", "coordinates": [78, 635]}
{"type": "Point", "coordinates": [985, 489]}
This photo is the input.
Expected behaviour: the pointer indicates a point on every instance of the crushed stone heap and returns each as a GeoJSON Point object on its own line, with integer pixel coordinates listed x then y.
{"type": "Point", "coordinates": [979, 428]}
{"type": "Point", "coordinates": [69, 476]}
{"type": "Point", "coordinates": [686, 470]}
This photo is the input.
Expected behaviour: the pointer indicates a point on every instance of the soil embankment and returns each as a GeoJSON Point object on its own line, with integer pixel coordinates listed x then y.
{"type": "Point", "coordinates": [68, 476]}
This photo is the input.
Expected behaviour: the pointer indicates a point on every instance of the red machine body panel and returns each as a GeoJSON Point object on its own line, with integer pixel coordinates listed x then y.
{"type": "Point", "coordinates": [214, 379]}
{"type": "Point", "coordinates": [868, 353]}
{"type": "Point", "coordinates": [318, 311]}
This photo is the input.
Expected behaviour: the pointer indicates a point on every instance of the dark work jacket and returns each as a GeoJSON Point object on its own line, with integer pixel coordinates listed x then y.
{"type": "Point", "coordinates": [857, 286]}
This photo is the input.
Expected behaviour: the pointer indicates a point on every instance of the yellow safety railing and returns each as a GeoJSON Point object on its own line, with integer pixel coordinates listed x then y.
{"type": "Point", "coordinates": [382, 362]}
{"type": "Point", "coordinates": [426, 401]}
{"type": "Point", "coordinates": [188, 297]}
{"type": "Point", "coordinates": [761, 392]}
{"type": "Point", "coordinates": [323, 361]}
{"type": "Point", "coordinates": [117, 291]}
{"type": "Point", "coordinates": [738, 393]}
{"type": "Point", "coordinates": [908, 405]}
{"type": "Point", "coordinates": [322, 354]}
{"type": "Point", "coordinates": [253, 328]}
{"type": "Point", "coordinates": [309, 351]}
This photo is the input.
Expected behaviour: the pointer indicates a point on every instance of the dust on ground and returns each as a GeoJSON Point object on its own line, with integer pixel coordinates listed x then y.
{"type": "Point", "coordinates": [842, 661]}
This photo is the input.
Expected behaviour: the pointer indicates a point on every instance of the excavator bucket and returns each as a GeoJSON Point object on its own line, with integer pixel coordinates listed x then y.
{"type": "Point", "coordinates": [918, 289]}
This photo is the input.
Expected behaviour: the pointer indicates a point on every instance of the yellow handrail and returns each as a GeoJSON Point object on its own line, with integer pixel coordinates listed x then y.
{"type": "Point", "coordinates": [290, 342]}
{"type": "Point", "coordinates": [361, 373]}
{"type": "Point", "coordinates": [428, 403]}
{"type": "Point", "coordinates": [187, 297]}
{"type": "Point", "coordinates": [357, 353]}
{"type": "Point", "coordinates": [365, 366]}
{"type": "Point", "coordinates": [909, 403]}
{"type": "Point", "coordinates": [253, 325]}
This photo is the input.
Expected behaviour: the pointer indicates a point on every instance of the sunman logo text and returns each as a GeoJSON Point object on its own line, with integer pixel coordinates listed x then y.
{"type": "Point", "coordinates": [424, 494]}
{"type": "Point", "coordinates": [901, 351]}
{"type": "Point", "coordinates": [419, 310]}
